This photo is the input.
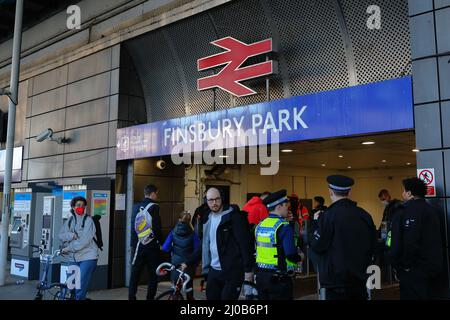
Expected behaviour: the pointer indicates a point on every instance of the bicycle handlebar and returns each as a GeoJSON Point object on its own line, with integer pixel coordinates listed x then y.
{"type": "Point", "coordinates": [55, 254]}
{"type": "Point", "coordinates": [166, 266]}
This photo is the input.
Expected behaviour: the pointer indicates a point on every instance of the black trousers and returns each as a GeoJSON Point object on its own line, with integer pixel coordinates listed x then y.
{"type": "Point", "coordinates": [223, 286]}
{"type": "Point", "coordinates": [272, 287]}
{"type": "Point", "coordinates": [349, 293]}
{"type": "Point", "coordinates": [146, 258]}
{"type": "Point", "coordinates": [414, 286]}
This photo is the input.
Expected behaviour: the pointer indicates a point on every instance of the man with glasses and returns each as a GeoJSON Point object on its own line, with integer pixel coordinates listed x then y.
{"type": "Point", "coordinates": [227, 249]}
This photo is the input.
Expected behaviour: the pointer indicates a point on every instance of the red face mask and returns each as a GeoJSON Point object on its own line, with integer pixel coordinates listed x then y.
{"type": "Point", "coordinates": [79, 211]}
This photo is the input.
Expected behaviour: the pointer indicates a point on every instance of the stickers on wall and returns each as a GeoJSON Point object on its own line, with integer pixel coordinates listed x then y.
{"type": "Point", "coordinates": [427, 176]}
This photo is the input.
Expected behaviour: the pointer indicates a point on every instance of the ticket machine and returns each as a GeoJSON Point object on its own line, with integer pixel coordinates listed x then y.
{"type": "Point", "coordinates": [26, 230]}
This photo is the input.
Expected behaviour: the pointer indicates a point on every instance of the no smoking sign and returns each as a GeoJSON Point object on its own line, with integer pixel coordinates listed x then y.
{"type": "Point", "coordinates": [427, 176]}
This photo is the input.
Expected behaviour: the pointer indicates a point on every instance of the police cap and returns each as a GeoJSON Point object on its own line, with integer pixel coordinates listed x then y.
{"type": "Point", "coordinates": [340, 183]}
{"type": "Point", "coordinates": [275, 198]}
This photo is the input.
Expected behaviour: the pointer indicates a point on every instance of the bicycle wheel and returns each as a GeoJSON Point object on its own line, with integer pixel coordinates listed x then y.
{"type": "Point", "coordinates": [59, 296]}
{"type": "Point", "coordinates": [64, 294]}
{"type": "Point", "coordinates": [169, 295]}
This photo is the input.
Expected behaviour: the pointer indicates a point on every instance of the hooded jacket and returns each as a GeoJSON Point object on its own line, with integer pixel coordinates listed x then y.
{"type": "Point", "coordinates": [182, 241]}
{"type": "Point", "coordinates": [234, 243]}
{"type": "Point", "coordinates": [84, 247]}
{"type": "Point", "coordinates": [256, 210]}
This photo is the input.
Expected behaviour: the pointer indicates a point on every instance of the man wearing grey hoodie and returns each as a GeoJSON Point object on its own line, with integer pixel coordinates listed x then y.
{"type": "Point", "coordinates": [77, 236]}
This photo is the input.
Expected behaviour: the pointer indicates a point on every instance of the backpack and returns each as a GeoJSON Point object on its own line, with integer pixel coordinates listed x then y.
{"type": "Point", "coordinates": [98, 230]}
{"type": "Point", "coordinates": [143, 227]}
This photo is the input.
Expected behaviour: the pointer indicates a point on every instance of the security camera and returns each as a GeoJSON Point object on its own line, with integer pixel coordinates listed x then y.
{"type": "Point", "coordinates": [161, 164]}
{"type": "Point", "coordinates": [47, 134]}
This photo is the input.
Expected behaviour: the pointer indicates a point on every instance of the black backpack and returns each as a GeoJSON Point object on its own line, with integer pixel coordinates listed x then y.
{"type": "Point", "coordinates": [98, 230]}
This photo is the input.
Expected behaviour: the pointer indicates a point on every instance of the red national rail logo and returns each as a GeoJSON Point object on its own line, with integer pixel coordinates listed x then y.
{"type": "Point", "coordinates": [231, 76]}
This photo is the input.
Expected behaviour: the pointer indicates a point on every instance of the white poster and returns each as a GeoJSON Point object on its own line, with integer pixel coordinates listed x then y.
{"type": "Point", "coordinates": [120, 201]}
{"type": "Point", "coordinates": [48, 205]}
{"type": "Point", "coordinates": [19, 268]}
{"type": "Point", "coordinates": [63, 274]}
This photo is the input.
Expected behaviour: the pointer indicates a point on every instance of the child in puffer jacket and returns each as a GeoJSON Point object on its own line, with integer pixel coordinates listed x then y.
{"type": "Point", "coordinates": [182, 242]}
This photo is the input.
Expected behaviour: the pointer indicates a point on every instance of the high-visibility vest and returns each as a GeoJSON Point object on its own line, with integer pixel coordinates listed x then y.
{"type": "Point", "coordinates": [389, 239]}
{"type": "Point", "coordinates": [266, 244]}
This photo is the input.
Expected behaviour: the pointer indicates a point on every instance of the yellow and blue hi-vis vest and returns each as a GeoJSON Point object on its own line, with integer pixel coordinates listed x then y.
{"type": "Point", "coordinates": [266, 244]}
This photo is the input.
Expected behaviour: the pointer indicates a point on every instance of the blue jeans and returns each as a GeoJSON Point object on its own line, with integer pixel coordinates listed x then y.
{"type": "Point", "coordinates": [87, 268]}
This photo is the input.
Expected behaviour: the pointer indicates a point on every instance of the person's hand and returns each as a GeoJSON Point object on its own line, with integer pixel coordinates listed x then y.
{"type": "Point", "coordinates": [248, 290]}
{"type": "Point", "coordinates": [183, 266]}
{"type": "Point", "coordinates": [302, 255]}
{"type": "Point", "coordinates": [248, 276]}
{"type": "Point", "coordinates": [64, 250]}
{"type": "Point", "coordinates": [317, 215]}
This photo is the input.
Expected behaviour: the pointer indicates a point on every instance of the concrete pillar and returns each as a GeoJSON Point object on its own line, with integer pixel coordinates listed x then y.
{"type": "Point", "coordinates": [430, 43]}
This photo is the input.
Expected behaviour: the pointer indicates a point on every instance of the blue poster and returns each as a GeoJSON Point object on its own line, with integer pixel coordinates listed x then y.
{"type": "Point", "coordinates": [366, 109]}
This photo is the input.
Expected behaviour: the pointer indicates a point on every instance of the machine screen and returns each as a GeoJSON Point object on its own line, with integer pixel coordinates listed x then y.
{"type": "Point", "coordinates": [16, 224]}
{"type": "Point", "coordinates": [46, 222]}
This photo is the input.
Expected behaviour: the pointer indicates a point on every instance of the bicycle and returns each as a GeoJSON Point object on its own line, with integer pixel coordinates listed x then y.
{"type": "Point", "coordinates": [176, 291]}
{"type": "Point", "coordinates": [44, 286]}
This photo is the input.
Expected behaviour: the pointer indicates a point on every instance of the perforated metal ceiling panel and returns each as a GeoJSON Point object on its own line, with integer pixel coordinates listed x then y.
{"type": "Point", "coordinates": [160, 82]}
{"type": "Point", "coordinates": [312, 44]}
{"type": "Point", "coordinates": [379, 54]}
{"type": "Point", "coordinates": [322, 45]}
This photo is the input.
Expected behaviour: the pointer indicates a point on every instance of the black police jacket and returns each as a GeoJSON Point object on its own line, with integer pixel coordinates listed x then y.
{"type": "Point", "coordinates": [344, 237]}
{"type": "Point", "coordinates": [416, 239]}
{"type": "Point", "coordinates": [234, 243]}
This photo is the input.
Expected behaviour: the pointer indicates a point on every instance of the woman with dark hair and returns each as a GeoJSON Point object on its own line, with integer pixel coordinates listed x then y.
{"type": "Point", "coordinates": [77, 236]}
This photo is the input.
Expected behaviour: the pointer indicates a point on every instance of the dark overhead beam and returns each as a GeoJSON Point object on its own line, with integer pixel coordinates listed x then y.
{"type": "Point", "coordinates": [33, 5]}
{"type": "Point", "coordinates": [7, 14]}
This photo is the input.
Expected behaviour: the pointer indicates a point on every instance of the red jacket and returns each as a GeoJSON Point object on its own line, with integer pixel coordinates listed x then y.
{"type": "Point", "coordinates": [256, 210]}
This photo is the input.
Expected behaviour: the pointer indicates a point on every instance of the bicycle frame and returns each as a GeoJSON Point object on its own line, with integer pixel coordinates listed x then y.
{"type": "Point", "coordinates": [43, 284]}
{"type": "Point", "coordinates": [180, 286]}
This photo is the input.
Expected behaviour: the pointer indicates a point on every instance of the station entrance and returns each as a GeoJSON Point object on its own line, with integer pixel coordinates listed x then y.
{"type": "Point", "coordinates": [375, 162]}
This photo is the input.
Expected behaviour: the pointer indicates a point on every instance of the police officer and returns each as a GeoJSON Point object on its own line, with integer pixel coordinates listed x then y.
{"type": "Point", "coordinates": [276, 253]}
{"type": "Point", "coordinates": [416, 246]}
{"type": "Point", "coordinates": [344, 237]}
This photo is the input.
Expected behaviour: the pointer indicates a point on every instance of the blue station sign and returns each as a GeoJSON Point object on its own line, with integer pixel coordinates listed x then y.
{"type": "Point", "coordinates": [366, 109]}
